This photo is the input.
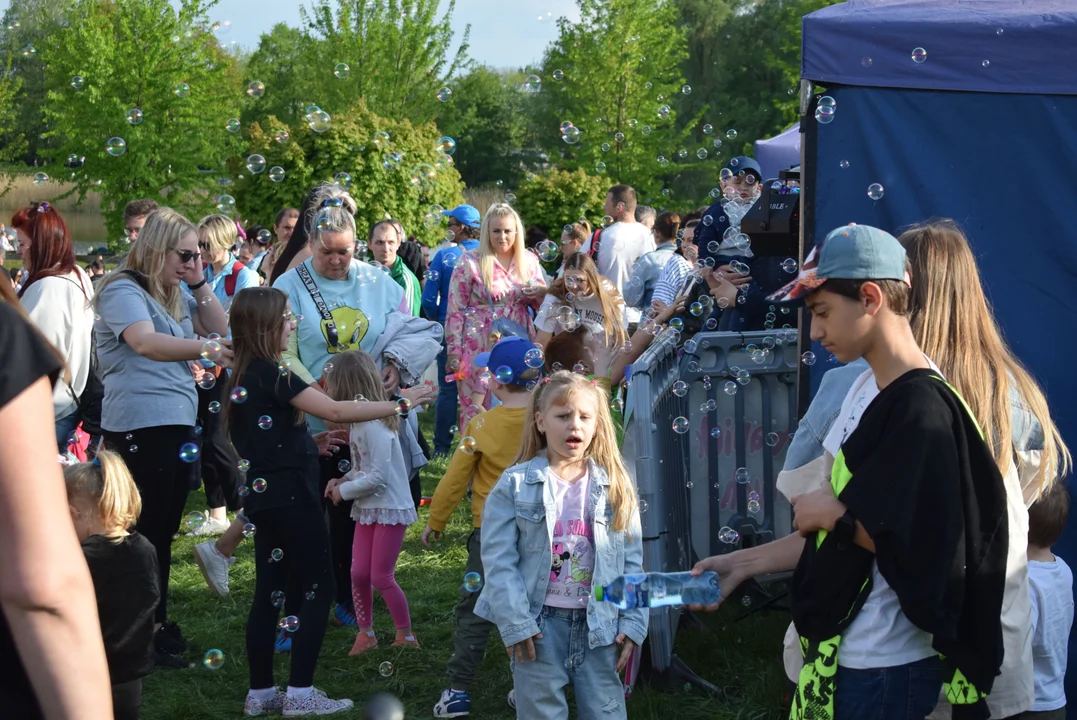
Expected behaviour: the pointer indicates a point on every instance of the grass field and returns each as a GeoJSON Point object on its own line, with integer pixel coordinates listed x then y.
{"type": "Point", "coordinates": [742, 657]}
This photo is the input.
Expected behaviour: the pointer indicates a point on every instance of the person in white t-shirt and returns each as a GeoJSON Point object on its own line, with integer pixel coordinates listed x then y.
{"type": "Point", "coordinates": [621, 244]}
{"type": "Point", "coordinates": [1050, 583]}
{"type": "Point", "coordinates": [582, 296]}
{"type": "Point", "coordinates": [57, 295]}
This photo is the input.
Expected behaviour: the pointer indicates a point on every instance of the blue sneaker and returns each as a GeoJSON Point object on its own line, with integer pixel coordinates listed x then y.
{"type": "Point", "coordinates": [453, 704]}
{"type": "Point", "coordinates": [342, 617]}
{"type": "Point", "coordinates": [283, 643]}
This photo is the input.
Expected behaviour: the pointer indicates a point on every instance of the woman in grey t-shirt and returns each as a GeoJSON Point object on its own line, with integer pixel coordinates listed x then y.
{"type": "Point", "coordinates": [146, 343]}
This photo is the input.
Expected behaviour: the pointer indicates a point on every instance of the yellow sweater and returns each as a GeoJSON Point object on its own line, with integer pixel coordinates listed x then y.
{"type": "Point", "coordinates": [497, 442]}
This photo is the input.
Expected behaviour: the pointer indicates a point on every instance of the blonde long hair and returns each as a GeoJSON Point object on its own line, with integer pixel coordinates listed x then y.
{"type": "Point", "coordinates": [161, 235]}
{"type": "Point", "coordinates": [608, 297]}
{"type": "Point", "coordinates": [954, 326]}
{"type": "Point", "coordinates": [111, 490]}
{"type": "Point", "coordinates": [559, 389]}
{"type": "Point", "coordinates": [355, 373]}
{"type": "Point", "coordinates": [485, 251]}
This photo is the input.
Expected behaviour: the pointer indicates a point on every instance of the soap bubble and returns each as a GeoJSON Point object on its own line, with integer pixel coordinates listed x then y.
{"type": "Point", "coordinates": [403, 406]}
{"type": "Point", "coordinates": [600, 167]}
{"type": "Point", "coordinates": [276, 173]}
{"type": "Point", "coordinates": [116, 146]}
{"type": "Point", "coordinates": [701, 153]}
{"type": "Point", "coordinates": [742, 476]}
{"type": "Point", "coordinates": [843, 164]}
{"type": "Point", "coordinates": [134, 116]}
{"type": "Point", "coordinates": [248, 530]}
{"type": "Point", "coordinates": [277, 598]}
{"type": "Point", "coordinates": [715, 432]}
{"type": "Point", "coordinates": [40, 178]}
{"type": "Point", "coordinates": [472, 582]}
{"type": "Point", "coordinates": [663, 111]}
{"type": "Point", "coordinates": [771, 439]}
{"type": "Point", "coordinates": [256, 164]}
{"type": "Point", "coordinates": [731, 134]}
{"type": "Point", "coordinates": [571, 135]}
{"type": "Point", "coordinates": [824, 115]}
{"type": "Point", "coordinates": [265, 422]}
{"type": "Point", "coordinates": [259, 485]}
{"type": "Point", "coordinates": [320, 121]}
{"type": "Point", "coordinates": [232, 125]}
{"type": "Point", "coordinates": [207, 381]}
{"type": "Point", "coordinates": [78, 82]}
{"type": "Point", "coordinates": [730, 388]}
{"type": "Point", "coordinates": [875, 191]}
{"type": "Point", "coordinates": [744, 377]}
{"type": "Point", "coordinates": [381, 139]}
{"type": "Point", "coordinates": [986, 63]}
{"type": "Point", "coordinates": [195, 520]}
{"type": "Point", "coordinates": [211, 351]}
{"type": "Point", "coordinates": [238, 395]}
{"type": "Point", "coordinates": [446, 145]}
{"type": "Point", "coordinates": [680, 425]}
{"type": "Point", "coordinates": [344, 466]}
{"type": "Point", "coordinates": [558, 75]}
{"type": "Point", "coordinates": [226, 204]}
{"type": "Point", "coordinates": [284, 367]}
{"type": "Point", "coordinates": [808, 358]}
{"type": "Point", "coordinates": [133, 448]}
{"type": "Point", "coordinates": [789, 265]}
{"type": "Point", "coordinates": [432, 275]}
{"type": "Point", "coordinates": [534, 358]}
{"type": "Point", "coordinates": [182, 90]}
{"type": "Point", "coordinates": [444, 94]}
{"type": "Point", "coordinates": [289, 624]}
{"type": "Point", "coordinates": [386, 669]}
{"type": "Point", "coordinates": [680, 388]}
{"type": "Point", "coordinates": [547, 250]}
{"type": "Point", "coordinates": [504, 374]}
{"type": "Point", "coordinates": [533, 82]}
{"type": "Point", "coordinates": [468, 445]}
{"type": "Point", "coordinates": [243, 465]}
{"type": "Point", "coordinates": [728, 535]}
{"type": "Point", "coordinates": [213, 660]}
{"type": "Point", "coordinates": [342, 71]}
{"type": "Point", "coordinates": [189, 452]}
{"type": "Point", "coordinates": [281, 137]}
{"type": "Point", "coordinates": [214, 407]}
{"type": "Point", "coordinates": [753, 507]}
{"type": "Point", "coordinates": [276, 555]}
{"type": "Point", "coordinates": [256, 89]}
{"type": "Point", "coordinates": [696, 309]}
{"type": "Point", "coordinates": [865, 61]}
{"type": "Point", "coordinates": [919, 55]}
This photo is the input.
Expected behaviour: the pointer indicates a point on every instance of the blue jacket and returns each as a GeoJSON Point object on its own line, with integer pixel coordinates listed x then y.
{"type": "Point", "coordinates": [435, 301]}
{"type": "Point", "coordinates": [517, 534]}
{"type": "Point", "coordinates": [807, 443]}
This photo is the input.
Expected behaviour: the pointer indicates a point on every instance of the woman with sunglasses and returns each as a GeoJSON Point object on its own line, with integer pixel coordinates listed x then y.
{"type": "Point", "coordinates": [147, 342]}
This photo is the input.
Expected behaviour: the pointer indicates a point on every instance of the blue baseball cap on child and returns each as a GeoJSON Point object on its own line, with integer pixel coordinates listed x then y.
{"type": "Point", "coordinates": [465, 214]}
{"type": "Point", "coordinates": [743, 163]}
{"type": "Point", "coordinates": [509, 353]}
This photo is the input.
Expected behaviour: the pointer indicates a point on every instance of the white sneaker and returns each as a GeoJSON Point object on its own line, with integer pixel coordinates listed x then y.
{"type": "Point", "coordinates": [273, 706]}
{"type": "Point", "coordinates": [315, 704]}
{"type": "Point", "coordinates": [214, 566]}
{"type": "Point", "coordinates": [210, 527]}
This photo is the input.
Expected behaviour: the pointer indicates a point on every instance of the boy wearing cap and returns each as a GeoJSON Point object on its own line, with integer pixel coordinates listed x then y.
{"type": "Point", "coordinates": [899, 587]}
{"type": "Point", "coordinates": [464, 223]}
{"type": "Point", "coordinates": [489, 446]}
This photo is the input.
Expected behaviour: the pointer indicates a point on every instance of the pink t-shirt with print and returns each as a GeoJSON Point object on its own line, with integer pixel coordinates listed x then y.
{"type": "Point", "coordinates": [573, 552]}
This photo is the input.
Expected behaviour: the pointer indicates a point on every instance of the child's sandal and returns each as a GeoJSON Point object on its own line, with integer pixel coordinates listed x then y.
{"type": "Point", "coordinates": [406, 641]}
{"type": "Point", "coordinates": [364, 640]}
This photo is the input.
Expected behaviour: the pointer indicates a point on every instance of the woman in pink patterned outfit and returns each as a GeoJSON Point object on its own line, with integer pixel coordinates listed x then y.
{"type": "Point", "coordinates": [499, 272]}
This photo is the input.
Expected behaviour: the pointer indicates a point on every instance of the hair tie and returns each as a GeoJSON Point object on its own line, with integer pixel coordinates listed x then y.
{"type": "Point", "coordinates": [41, 206]}
{"type": "Point", "coordinates": [96, 461]}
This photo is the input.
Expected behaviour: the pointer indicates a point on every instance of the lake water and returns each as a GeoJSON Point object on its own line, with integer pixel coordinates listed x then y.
{"type": "Point", "coordinates": [87, 228]}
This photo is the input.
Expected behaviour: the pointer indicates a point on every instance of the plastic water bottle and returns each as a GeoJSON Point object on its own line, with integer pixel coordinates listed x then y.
{"type": "Point", "coordinates": [658, 589]}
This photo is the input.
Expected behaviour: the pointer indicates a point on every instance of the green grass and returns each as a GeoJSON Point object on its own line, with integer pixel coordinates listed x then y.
{"type": "Point", "coordinates": [743, 657]}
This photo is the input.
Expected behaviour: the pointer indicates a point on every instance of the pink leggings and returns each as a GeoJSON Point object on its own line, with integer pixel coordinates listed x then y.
{"type": "Point", "coordinates": [375, 550]}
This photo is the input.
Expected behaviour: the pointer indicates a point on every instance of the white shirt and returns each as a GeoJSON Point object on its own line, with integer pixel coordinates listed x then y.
{"type": "Point", "coordinates": [880, 635]}
{"type": "Point", "coordinates": [572, 563]}
{"type": "Point", "coordinates": [63, 314]}
{"type": "Point", "coordinates": [619, 247]}
{"type": "Point", "coordinates": [589, 309]}
{"type": "Point", "coordinates": [1051, 591]}
{"type": "Point", "coordinates": [378, 478]}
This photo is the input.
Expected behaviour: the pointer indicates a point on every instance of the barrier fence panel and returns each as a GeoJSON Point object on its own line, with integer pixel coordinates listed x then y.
{"type": "Point", "coordinates": [705, 461]}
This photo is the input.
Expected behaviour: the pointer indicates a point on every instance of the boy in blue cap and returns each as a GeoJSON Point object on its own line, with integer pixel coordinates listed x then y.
{"type": "Point", "coordinates": [464, 223]}
{"type": "Point", "coordinates": [489, 445]}
{"type": "Point", "coordinates": [899, 587]}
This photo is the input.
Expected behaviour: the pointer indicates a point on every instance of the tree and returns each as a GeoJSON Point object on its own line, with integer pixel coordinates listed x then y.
{"type": "Point", "coordinates": [555, 198]}
{"type": "Point", "coordinates": [143, 93]}
{"type": "Point", "coordinates": [620, 85]}
{"type": "Point", "coordinates": [487, 119]}
{"type": "Point", "coordinates": [401, 175]}
{"type": "Point", "coordinates": [280, 65]}
{"type": "Point", "coordinates": [10, 84]}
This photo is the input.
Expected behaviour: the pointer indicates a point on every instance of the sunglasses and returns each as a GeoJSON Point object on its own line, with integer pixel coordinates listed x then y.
{"type": "Point", "coordinates": [204, 246]}
{"type": "Point", "coordinates": [187, 256]}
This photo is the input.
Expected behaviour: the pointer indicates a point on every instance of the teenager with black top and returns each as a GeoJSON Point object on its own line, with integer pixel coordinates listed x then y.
{"type": "Point", "coordinates": [291, 541]}
{"type": "Point", "coordinates": [104, 505]}
{"type": "Point", "coordinates": [913, 523]}
{"type": "Point", "coordinates": [146, 345]}
{"type": "Point", "coordinates": [52, 660]}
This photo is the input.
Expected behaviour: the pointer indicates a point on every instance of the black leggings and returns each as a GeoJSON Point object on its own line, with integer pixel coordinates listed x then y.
{"type": "Point", "coordinates": [127, 699]}
{"type": "Point", "coordinates": [341, 529]}
{"type": "Point", "coordinates": [305, 567]}
{"type": "Point", "coordinates": [220, 472]}
{"type": "Point", "coordinates": [163, 480]}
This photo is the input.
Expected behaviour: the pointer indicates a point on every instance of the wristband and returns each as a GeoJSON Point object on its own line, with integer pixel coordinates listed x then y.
{"type": "Point", "coordinates": [196, 285]}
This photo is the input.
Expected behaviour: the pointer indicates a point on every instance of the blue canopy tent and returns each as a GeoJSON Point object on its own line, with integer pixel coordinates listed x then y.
{"type": "Point", "coordinates": [778, 153]}
{"type": "Point", "coordinates": [982, 130]}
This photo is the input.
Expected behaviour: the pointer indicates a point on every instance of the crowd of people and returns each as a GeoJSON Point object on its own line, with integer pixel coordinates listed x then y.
{"type": "Point", "coordinates": [282, 374]}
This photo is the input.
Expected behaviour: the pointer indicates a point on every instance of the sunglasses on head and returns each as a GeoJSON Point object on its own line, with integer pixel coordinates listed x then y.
{"type": "Point", "coordinates": [187, 256]}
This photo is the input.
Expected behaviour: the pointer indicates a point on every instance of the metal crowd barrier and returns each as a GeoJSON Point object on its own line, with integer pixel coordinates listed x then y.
{"type": "Point", "coordinates": [695, 484]}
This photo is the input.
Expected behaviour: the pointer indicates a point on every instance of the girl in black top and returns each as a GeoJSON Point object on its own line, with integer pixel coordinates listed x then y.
{"type": "Point", "coordinates": [104, 504]}
{"type": "Point", "coordinates": [265, 420]}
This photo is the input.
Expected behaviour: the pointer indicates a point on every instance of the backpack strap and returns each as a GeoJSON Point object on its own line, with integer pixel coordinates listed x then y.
{"type": "Point", "coordinates": [230, 281]}
{"type": "Point", "coordinates": [596, 237]}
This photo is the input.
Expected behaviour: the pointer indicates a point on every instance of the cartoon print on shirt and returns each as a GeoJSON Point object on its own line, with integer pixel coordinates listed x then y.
{"type": "Point", "coordinates": [558, 561]}
{"type": "Point", "coordinates": [345, 331]}
{"type": "Point", "coordinates": [581, 573]}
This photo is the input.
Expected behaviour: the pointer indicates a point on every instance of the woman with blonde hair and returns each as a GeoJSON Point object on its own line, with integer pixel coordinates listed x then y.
{"type": "Point", "coordinates": [491, 291]}
{"type": "Point", "coordinates": [582, 297]}
{"type": "Point", "coordinates": [146, 345]}
{"type": "Point", "coordinates": [225, 274]}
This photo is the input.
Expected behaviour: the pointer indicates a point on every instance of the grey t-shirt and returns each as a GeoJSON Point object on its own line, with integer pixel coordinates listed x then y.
{"type": "Point", "coordinates": [140, 392]}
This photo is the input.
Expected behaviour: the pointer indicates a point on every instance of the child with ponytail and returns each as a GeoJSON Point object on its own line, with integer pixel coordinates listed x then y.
{"type": "Point", "coordinates": [105, 504]}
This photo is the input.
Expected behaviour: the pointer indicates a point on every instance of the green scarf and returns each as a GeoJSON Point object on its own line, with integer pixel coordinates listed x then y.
{"type": "Point", "coordinates": [406, 279]}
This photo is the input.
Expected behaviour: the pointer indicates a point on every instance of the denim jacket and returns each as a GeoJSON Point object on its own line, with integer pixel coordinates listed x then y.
{"type": "Point", "coordinates": [517, 536]}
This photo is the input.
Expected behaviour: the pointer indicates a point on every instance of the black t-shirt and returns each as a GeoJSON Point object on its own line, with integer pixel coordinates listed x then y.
{"type": "Point", "coordinates": [24, 359]}
{"type": "Point", "coordinates": [125, 582]}
{"type": "Point", "coordinates": [281, 451]}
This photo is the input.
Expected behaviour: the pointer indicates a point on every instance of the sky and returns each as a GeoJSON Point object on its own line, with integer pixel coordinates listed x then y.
{"type": "Point", "coordinates": [504, 33]}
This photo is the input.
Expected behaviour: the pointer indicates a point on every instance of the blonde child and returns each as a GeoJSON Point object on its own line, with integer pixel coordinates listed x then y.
{"type": "Point", "coordinates": [560, 521]}
{"type": "Point", "coordinates": [382, 506]}
{"type": "Point", "coordinates": [488, 446]}
{"type": "Point", "coordinates": [104, 504]}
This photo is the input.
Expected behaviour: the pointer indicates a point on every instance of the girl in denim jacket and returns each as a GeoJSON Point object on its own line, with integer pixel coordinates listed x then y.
{"type": "Point", "coordinates": [562, 520]}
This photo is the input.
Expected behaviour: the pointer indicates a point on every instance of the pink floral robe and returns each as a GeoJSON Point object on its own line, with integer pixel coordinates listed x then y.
{"type": "Point", "coordinates": [469, 319]}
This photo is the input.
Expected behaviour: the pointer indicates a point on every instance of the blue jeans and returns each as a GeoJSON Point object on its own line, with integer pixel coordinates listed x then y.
{"type": "Point", "coordinates": [65, 426]}
{"type": "Point", "coordinates": [562, 656]}
{"type": "Point", "coordinates": [904, 692]}
{"type": "Point", "coordinates": [445, 409]}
